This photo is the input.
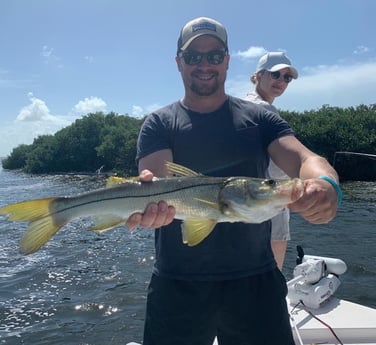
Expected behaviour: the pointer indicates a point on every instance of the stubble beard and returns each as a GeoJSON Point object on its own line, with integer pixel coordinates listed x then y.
{"type": "Point", "coordinates": [201, 88]}
{"type": "Point", "coordinates": [206, 90]}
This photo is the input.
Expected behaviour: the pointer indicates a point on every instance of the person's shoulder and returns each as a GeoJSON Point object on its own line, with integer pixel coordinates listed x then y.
{"type": "Point", "coordinates": [247, 106]}
{"type": "Point", "coordinates": [167, 109]}
{"type": "Point", "coordinates": [164, 114]}
{"type": "Point", "coordinates": [243, 102]}
{"type": "Point", "coordinates": [255, 98]}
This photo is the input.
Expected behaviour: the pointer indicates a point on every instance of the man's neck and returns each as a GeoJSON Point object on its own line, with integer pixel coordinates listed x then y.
{"type": "Point", "coordinates": [204, 104]}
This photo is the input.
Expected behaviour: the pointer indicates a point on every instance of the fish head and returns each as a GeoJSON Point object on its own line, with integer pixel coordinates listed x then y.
{"type": "Point", "coordinates": [255, 200]}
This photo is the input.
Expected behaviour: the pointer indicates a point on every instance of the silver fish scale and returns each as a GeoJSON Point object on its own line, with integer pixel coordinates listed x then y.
{"type": "Point", "coordinates": [193, 197]}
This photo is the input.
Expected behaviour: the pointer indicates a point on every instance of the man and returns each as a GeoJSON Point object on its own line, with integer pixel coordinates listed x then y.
{"type": "Point", "coordinates": [228, 285]}
{"type": "Point", "coordinates": [273, 74]}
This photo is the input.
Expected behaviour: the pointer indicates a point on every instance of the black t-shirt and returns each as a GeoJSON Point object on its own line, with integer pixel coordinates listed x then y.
{"type": "Point", "coordinates": [231, 141]}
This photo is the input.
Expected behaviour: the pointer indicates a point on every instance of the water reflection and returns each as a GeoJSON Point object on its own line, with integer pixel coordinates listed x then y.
{"type": "Point", "coordinates": [84, 288]}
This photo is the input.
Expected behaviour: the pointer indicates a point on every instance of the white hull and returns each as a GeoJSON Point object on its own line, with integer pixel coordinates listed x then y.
{"type": "Point", "coordinates": [352, 323]}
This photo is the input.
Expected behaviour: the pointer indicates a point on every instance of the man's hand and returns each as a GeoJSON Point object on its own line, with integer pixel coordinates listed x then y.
{"type": "Point", "coordinates": [318, 204]}
{"type": "Point", "coordinates": [155, 214]}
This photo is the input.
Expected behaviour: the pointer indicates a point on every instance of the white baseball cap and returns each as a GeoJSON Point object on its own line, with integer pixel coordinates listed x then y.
{"type": "Point", "coordinates": [275, 61]}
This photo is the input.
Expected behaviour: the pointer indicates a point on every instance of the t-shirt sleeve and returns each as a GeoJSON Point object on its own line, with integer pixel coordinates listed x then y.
{"type": "Point", "coordinates": [153, 136]}
{"type": "Point", "coordinates": [274, 127]}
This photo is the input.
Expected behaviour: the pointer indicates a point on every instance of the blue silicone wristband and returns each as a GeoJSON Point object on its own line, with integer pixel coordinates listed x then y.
{"type": "Point", "coordinates": [335, 186]}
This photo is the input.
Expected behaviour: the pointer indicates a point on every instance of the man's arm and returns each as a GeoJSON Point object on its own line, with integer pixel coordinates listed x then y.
{"type": "Point", "coordinates": [155, 162]}
{"type": "Point", "coordinates": [156, 214]}
{"type": "Point", "coordinates": [318, 205]}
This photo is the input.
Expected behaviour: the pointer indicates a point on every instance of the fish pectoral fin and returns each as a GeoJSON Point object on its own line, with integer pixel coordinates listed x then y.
{"type": "Point", "coordinates": [106, 222]}
{"type": "Point", "coordinates": [212, 204]}
{"type": "Point", "coordinates": [179, 170]}
{"type": "Point", "coordinates": [195, 230]}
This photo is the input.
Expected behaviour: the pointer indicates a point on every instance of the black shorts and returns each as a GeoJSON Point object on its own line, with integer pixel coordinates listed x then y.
{"type": "Point", "coordinates": [247, 311]}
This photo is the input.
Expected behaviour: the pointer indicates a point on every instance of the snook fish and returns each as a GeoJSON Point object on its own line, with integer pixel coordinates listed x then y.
{"type": "Point", "coordinates": [200, 201]}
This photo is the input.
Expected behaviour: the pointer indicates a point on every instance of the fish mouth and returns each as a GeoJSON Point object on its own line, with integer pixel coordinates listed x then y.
{"type": "Point", "coordinates": [297, 190]}
{"type": "Point", "coordinates": [294, 190]}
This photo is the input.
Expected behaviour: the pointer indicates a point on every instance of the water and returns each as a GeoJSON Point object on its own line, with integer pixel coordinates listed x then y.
{"type": "Point", "coordinates": [83, 288]}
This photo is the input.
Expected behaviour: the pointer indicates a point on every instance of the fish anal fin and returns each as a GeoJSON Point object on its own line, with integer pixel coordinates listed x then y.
{"type": "Point", "coordinates": [195, 230]}
{"type": "Point", "coordinates": [106, 222]}
{"type": "Point", "coordinates": [180, 171]}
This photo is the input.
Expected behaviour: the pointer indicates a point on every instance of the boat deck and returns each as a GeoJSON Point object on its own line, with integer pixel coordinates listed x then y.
{"type": "Point", "coordinates": [351, 322]}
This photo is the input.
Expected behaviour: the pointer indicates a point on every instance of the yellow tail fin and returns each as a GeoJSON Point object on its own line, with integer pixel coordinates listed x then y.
{"type": "Point", "coordinates": [28, 210]}
{"type": "Point", "coordinates": [41, 223]}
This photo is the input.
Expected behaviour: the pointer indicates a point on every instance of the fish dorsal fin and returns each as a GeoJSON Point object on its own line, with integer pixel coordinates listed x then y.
{"type": "Point", "coordinates": [179, 170]}
{"type": "Point", "coordinates": [195, 230]}
{"type": "Point", "coordinates": [113, 181]}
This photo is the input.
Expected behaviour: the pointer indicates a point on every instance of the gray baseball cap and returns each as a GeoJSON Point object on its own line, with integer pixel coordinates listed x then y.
{"type": "Point", "coordinates": [198, 27]}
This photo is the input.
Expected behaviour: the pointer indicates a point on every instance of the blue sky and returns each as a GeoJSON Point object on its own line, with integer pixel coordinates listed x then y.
{"type": "Point", "coordinates": [61, 59]}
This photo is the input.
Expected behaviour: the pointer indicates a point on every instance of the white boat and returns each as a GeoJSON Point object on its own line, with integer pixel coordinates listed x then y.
{"type": "Point", "coordinates": [335, 322]}
{"type": "Point", "coordinates": [316, 315]}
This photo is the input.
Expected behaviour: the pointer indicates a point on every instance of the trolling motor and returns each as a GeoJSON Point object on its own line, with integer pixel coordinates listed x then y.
{"type": "Point", "coordinates": [315, 279]}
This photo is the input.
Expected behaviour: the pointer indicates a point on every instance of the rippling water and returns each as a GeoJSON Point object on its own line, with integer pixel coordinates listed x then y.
{"type": "Point", "coordinates": [84, 288]}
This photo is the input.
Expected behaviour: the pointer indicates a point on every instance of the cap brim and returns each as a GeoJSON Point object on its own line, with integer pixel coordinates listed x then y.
{"type": "Point", "coordinates": [280, 66]}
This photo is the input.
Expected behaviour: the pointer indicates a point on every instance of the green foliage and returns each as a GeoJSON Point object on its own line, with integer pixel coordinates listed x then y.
{"type": "Point", "coordinates": [94, 142]}
{"type": "Point", "coordinates": [42, 156]}
{"type": "Point", "coordinates": [118, 144]}
{"type": "Point", "coordinates": [332, 129]}
{"type": "Point", "coordinates": [17, 158]}
{"type": "Point", "coordinates": [108, 142]}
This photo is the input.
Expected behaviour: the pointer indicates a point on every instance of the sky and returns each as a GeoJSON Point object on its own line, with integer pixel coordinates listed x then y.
{"type": "Point", "coordinates": [63, 59]}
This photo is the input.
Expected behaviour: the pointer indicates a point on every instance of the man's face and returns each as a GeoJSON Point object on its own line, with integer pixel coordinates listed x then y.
{"type": "Point", "coordinates": [206, 74]}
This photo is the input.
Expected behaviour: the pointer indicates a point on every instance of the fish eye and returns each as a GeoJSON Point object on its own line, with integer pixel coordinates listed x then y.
{"type": "Point", "coordinates": [269, 182]}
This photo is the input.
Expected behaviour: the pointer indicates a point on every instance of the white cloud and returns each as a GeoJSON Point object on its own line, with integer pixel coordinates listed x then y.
{"type": "Point", "coordinates": [48, 56]}
{"type": "Point", "coordinates": [139, 111]}
{"type": "Point", "coordinates": [37, 110]}
{"type": "Point", "coordinates": [89, 59]}
{"type": "Point", "coordinates": [90, 105]}
{"type": "Point", "coordinates": [17, 133]}
{"type": "Point", "coordinates": [46, 53]}
{"type": "Point", "coordinates": [361, 50]}
{"type": "Point", "coordinates": [35, 119]}
{"type": "Point", "coordinates": [250, 53]}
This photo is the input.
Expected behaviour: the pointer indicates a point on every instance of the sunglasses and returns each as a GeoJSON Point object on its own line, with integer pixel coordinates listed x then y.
{"type": "Point", "coordinates": [277, 74]}
{"type": "Point", "coordinates": [214, 57]}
